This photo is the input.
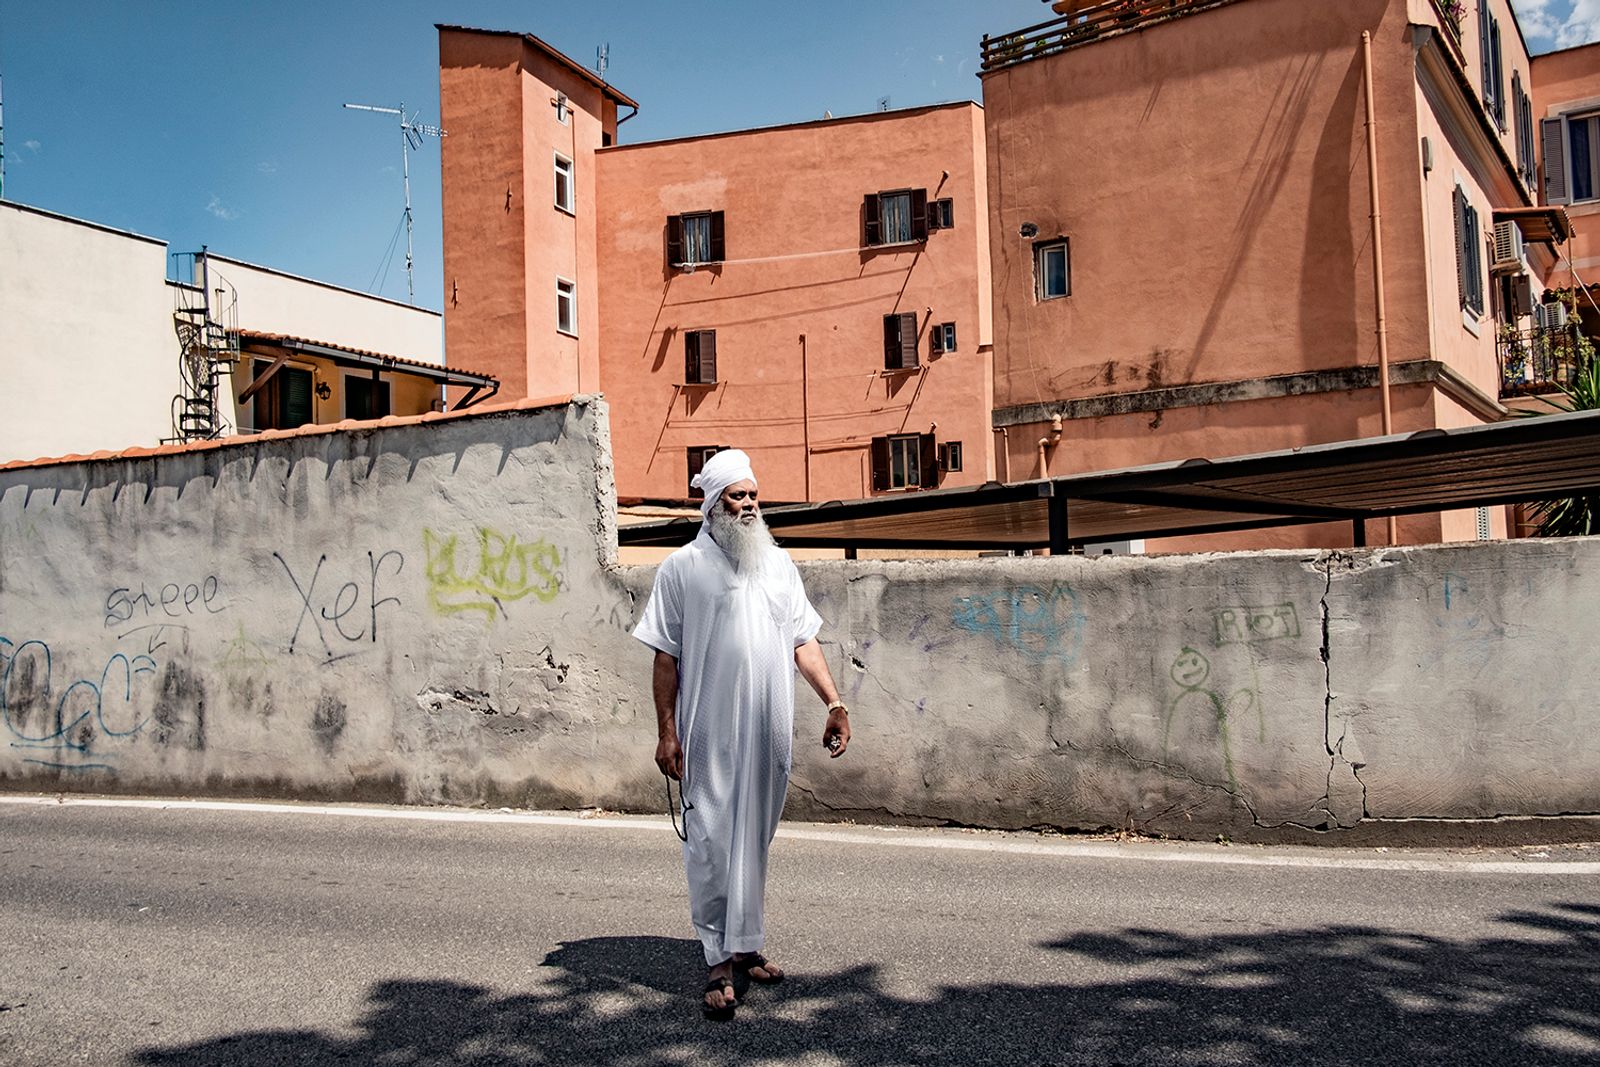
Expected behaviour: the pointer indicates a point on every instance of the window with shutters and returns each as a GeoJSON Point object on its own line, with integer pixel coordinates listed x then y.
{"type": "Point", "coordinates": [942, 337]}
{"type": "Point", "coordinates": [941, 214]}
{"type": "Point", "coordinates": [896, 217]}
{"type": "Point", "coordinates": [365, 397]}
{"type": "Point", "coordinates": [698, 454]}
{"type": "Point", "coordinates": [700, 357]}
{"type": "Point", "coordinates": [950, 456]}
{"type": "Point", "coordinates": [1052, 275]}
{"type": "Point", "coordinates": [1469, 254]}
{"type": "Point", "coordinates": [900, 341]}
{"type": "Point", "coordinates": [286, 401]}
{"type": "Point", "coordinates": [1583, 159]}
{"type": "Point", "coordinates": [1522, 120]}
{"type": "Point", "coordinates": [904, 461]}
{"type": "Point", "coordinates": [567, 306]}
{"type": "Point", "coordinates": [1490, 62]}
{"type": "Point", "coordinates": [565, 197]}
{"type": "Point", "coordinates": [695, 238]}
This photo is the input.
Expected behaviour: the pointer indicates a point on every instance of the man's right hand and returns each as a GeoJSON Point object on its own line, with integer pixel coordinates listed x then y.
{"type": "Point", "coordinates": [669, 757]}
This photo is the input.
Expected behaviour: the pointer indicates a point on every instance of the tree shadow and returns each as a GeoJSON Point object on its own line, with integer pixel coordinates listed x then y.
{"type": "Point", "coordinates": [1325, 995]}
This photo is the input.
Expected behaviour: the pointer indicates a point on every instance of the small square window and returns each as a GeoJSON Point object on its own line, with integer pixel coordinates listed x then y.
{"type": "Point", "coordinates": [365, 397]}
{"type": "Point", "coordinates": [567, 306]}
{"type": "Point", "coordinates": [904, 454]}
{"type": "Point", "coordinates": [943, 337]}
{"type": "Point", "coordinates": [1051, 270]}
{"type": "Point", "coordinates": [700, 357]}
{"type": "Point", "coordinates": [941, 215]}
{"type": "Point", "coordinates": [698, 454]}
{"type": "Point", "coordinates": [697, 238]}
{"type": "Point", "coordinates": [565, 197]}
{"type": "Point", "coordinates": [950, 456]}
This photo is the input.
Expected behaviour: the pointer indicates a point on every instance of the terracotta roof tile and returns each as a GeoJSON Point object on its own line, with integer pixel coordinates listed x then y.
{"type": "Point", "coordinates": [309, 430]}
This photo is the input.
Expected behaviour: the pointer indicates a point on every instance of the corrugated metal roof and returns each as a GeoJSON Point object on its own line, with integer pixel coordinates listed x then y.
{"type": "Point", "coordinates": [1516, 461]}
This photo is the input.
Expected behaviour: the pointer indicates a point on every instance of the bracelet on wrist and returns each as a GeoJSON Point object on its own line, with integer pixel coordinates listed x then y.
{"type": "Point", "coordinates": [838, 705]}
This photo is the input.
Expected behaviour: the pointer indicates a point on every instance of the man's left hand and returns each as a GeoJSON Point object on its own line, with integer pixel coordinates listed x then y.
{"type": "Point", "coordinates": [838, 727]}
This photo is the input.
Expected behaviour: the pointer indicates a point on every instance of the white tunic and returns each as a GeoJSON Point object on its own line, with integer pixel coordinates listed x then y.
{"type": "Point", "coordinates": [734, 640]}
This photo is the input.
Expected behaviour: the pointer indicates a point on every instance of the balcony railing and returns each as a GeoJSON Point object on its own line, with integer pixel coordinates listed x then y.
{"type": "Point", "coordinates": [1539, 360]}
{"type": "Point", "coordinates": [1092, 21]}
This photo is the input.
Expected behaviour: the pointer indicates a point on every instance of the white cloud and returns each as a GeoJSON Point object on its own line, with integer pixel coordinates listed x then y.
{"type": "Point", "coordinates": [221, 210]}
{"type": "Point", "coordinates": [1582, 25]}
{"type": "Point", "coordinates": [1558, 23]}
{"type": "Point", "coordinates": [32, 146]}
{"type": "Point", "coordinates": [267, 166]}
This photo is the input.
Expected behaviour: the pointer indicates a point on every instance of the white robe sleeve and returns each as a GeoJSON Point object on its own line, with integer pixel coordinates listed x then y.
{"type": "Point", "coordinates": [804, 622]}
{"type": "Point", "coordinates": [661, 627]}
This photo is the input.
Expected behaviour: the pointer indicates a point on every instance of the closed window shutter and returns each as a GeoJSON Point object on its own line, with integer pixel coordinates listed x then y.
{"type": "Point", "coordinates": [908, 339]}
{"type": "Point", "coordinates": [697, 461]}
{"type": "Point", "coordinates": [1555, 161]}
{"type": "Point", "coordinates": [296, 385]}
{"type": "Point", "coordinates": [919, 214]}
{"type": "Point", "coordinates": [1474, 260]}
{"type": "Point", "coordinates": [869, 217]}
{"type": "Point", "coordinates": [708, 356]}
{"type": "Point", "coordinates": [674, 240]}
{"type": "Point", "coordinates": [1517, 113]}
{"type": "Point", "coordinates": [928, 465]}
{"type": "Point", "coordinates": [718, 251]}
{"type": "Point", "coordinates": [880, 464]}
{"type": "Point", "coordinates": [1485, 62]}
{"type": "Point", "coordinates": [691, 356]}
{"type": "Point", "coordinates": [1460, 208]}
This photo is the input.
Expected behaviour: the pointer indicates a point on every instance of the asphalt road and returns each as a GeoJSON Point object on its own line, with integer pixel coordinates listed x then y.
{"type": "Point", "coordinates": [248, 935]}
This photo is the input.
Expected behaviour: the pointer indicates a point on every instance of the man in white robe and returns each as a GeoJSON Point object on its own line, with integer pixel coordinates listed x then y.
{"type": "Point", "coordinates": [730, 622]}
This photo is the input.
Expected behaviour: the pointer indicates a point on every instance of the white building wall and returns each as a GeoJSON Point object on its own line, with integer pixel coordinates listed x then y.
{"type": "Point", "coordinates": [273, 302]}
{"type": "Point", "coordinates": [88, 355]}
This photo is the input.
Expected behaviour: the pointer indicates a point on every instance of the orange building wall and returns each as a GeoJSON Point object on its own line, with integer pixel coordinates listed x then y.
{"type": "Point", "coordinates": [1211, 176]}
{"type": "Point", "coordinates": [481, 162]}
{"type": "Point", "coordinates": [1564, 81]}
{"type": "Point", "coordinates": [506, 242]}
{"type": "Point", "coordinates": [796, 289]}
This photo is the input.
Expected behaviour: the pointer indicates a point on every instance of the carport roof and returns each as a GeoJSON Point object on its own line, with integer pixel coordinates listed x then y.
{"type": "Point", "coordinates": [1516, 461]}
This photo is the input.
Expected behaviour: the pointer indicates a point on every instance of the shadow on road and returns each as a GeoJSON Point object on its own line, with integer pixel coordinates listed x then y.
{"type": "Point", "coordinates": [1331, 995]}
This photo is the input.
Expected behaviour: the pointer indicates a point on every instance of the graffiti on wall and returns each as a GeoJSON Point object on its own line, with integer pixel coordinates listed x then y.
{"type": "Point", "coordinates": [1245, 625]}
{"type": "Point", "coordinates": [344, 619]}
{"type": "Point", "coordinates": [172, 600]}
{"type": "Point", "coordinates": [488, 572]}
{"type": "Point", "coordinates": [72, 726]}
{"type": "Point", "coordinates": [1040, 623]}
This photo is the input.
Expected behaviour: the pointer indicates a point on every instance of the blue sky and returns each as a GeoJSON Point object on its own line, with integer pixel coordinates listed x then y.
{"type": "Point", "coordinates": [220, 123]}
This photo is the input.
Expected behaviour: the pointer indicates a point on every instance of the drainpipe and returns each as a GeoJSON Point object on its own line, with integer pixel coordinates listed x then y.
{"type": "Point", "coordinates": [1377, 249]}
{"type": "Point", "coordinates": [1049, 442]}
{"type": "Point", "coordinates": [805, 413]}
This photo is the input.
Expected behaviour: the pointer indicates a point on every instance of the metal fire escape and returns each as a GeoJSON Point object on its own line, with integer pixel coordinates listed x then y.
{"type": "Point", "coordinates": [206, 319]}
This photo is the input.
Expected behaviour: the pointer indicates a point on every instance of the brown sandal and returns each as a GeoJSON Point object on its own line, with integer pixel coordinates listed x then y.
{"type": "Point", "coordinates": [756, 959]}
{"type": "Point", "coordinates": [724, 986]}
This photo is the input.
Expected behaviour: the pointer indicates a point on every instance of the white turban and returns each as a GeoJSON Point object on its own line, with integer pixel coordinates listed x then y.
{"type": "Point", "coordinates": [720, 471]}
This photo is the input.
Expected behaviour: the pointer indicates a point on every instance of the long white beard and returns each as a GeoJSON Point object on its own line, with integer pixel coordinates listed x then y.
{"type": "Point", "coordinates": [746, 543]}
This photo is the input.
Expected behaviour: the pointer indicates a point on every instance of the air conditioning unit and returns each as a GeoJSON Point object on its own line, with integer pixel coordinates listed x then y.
{"type": "Point", "coordinates": [1551, 316]}
{"type": "Point", "coordinates": [1507, 248]}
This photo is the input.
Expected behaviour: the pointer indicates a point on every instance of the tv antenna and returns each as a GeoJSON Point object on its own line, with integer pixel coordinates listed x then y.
{"type": "Point", "coordinates": [883, 103]}
{"type": "Point", "coordinates": [411, 134]}
{"type": "Point", "coordinates": [602, 59]}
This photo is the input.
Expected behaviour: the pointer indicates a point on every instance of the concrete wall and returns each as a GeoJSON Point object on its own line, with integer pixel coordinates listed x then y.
{"type": "Point", "coordinates": [274, 302]}
{"type": "Point", "coordinates": [425, 611]}
{"type": "Point", "coordinates": [88, 356]}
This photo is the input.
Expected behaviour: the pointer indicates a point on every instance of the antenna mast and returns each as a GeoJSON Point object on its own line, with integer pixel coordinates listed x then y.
{"type": "Point", "coordinates": [411, 134]}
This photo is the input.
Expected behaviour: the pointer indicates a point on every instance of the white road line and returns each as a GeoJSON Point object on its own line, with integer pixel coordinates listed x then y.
{"type": "Point", "coordinates": [1156, 852]}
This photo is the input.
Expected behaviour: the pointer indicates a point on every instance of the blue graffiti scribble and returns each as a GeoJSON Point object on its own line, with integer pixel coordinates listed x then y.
{"type": "Point", "coordinates": [1042, 624]}
{"type": "Point", "coordinates": [85, 712]}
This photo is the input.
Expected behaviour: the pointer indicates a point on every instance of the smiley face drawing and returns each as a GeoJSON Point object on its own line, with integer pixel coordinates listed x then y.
{"type": "Point", "coordinates": [1191, 670]}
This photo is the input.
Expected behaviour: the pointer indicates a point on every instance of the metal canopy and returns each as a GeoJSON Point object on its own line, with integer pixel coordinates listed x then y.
{"type": "Point", "coordinates": [1517, 461]}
